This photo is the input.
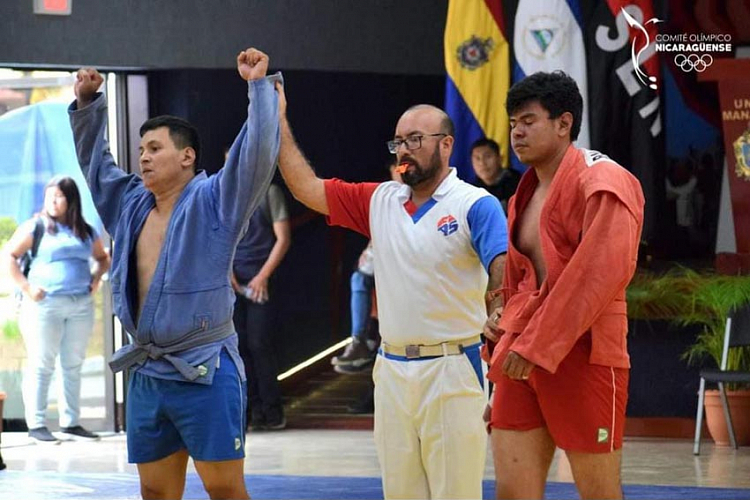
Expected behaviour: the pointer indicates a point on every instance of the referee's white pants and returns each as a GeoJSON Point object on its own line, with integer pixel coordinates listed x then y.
{"type": "Point", "coordinates": [429, 434]}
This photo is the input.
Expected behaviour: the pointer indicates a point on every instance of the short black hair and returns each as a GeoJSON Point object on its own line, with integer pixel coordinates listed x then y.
{"type": "Point", "coordinates": [485, 141]}
{"type": "Point", "coordinates": [556, 92]}
{"type": "Point", "coordinates": [182, 133]}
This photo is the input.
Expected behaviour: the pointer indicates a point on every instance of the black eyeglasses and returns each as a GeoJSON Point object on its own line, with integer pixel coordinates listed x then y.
{"type": "Point", "coordinates": [412, 142]}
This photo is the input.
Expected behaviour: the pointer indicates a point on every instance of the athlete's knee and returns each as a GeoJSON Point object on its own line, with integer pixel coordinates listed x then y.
{"type": "Point", "coordinates": [153, 492]}
{"type": "Point", "coordinates": [597, 489]}
{"type": "Point", "coordinates": [520, 485]}
{"type": "Point", "coordinates": [597, 475]}
{"type": "Point", "coordinates": [226, 491]}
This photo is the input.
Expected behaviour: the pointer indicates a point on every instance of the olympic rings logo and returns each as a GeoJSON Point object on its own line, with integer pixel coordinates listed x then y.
{"type": "Point", "coordinates": [693, 62]}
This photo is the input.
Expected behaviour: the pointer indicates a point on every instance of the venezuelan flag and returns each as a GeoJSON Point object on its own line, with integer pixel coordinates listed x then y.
{"type": "Point", "coordinates": [478, 67]}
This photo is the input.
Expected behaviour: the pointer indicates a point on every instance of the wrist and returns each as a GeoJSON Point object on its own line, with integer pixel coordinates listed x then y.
{"type": "Point", "coordinates": [493, 295]}
{"type": "Point", "coordinates": [83, 102]}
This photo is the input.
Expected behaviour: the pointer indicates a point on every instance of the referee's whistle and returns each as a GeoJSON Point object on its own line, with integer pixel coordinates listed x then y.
{"type": "Point", "coordinates": [402, 168]}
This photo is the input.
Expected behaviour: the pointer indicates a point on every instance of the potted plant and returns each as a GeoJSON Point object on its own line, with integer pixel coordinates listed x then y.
{"type": "Point", "coordinates": [687, 297]}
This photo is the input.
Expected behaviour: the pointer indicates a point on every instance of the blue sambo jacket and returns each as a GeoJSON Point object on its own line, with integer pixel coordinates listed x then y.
{"type": "Point", "coordinates": [190, 290]}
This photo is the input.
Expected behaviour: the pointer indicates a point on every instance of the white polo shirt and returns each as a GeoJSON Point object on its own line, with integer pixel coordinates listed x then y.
{"type": "Point", "coordinates": [430, 261]}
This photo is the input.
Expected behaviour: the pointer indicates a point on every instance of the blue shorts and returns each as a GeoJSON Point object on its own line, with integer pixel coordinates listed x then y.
{"type": "Point", "coordinates": [165, 416]}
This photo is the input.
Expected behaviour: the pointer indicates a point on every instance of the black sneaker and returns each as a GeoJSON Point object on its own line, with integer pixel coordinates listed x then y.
{"type": "Point", "coordinates": [256, 419]}
{"type": "Point", "coordinates": [276, 425]}
{"type": "Point", "coordinates": [42, 435]}
{"type": "Point", "coordinates": [350, 369]}
{"type": "Point", "coordinates": [356, 355]}
{"type": "Point", "coordinates": [256, 425]}
{"type": "Point", "coordinates": [363, 407]}
{"type": "Point", "coordinates": [79, 433]}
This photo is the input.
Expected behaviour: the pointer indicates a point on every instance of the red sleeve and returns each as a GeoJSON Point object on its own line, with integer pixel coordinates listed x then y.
{"type": "Point", "coordinates": [349, 204]}
{"type": "Point", "coordinates": [598, 272]}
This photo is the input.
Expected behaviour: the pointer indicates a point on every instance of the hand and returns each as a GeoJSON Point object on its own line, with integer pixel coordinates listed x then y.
{"type": "Point", "coordinates": [259, 289]}
{"type": "Point", "coordinates": [88, 81]}
{"type": "Point", "coordinates": [282, 100]}
{"type": "Point", "coordinates": [252, 64]}
{"type": "Point", "coordinates": [34, 293]}
{"type": "Point", "coordinates": [235, 283]}
{"type": "Point", "coordinates": [517, 367]}
{"type": "Point", "coordinates": [487, 416]}
{"type": "Point", "coordinates": [491, 331]}
{"type": "Point", "coordinates": [95, 284]}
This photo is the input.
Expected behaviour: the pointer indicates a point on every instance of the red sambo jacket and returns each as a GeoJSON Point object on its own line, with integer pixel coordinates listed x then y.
{"type": "Point", "coordinates": [590, 228]}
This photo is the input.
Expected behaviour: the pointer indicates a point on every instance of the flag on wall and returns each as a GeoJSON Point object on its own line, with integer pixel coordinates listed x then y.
{"type": "Point", "coordinates": [548, 36]}
{"type": "Point", "coordinates": [478, 76]}
{"type": "Point", "coordinates": [626, 120]}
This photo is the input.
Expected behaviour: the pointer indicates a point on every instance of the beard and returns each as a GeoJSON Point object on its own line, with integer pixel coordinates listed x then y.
{"type": "Point", "coordinates": [420, 173]}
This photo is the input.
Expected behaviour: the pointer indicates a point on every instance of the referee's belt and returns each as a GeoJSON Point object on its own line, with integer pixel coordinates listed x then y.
{"type": "Point", "coordinates": [416, 351]}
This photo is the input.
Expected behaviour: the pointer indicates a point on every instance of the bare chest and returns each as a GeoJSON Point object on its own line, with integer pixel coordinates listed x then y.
{"type": "Point", "coordinates": [528, 240]}
{"type": "Point", "coordinates": [147, 250]}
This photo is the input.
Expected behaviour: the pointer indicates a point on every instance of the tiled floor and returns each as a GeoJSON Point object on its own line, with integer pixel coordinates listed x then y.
{"type": "Point", "coordinates": [346, 453]}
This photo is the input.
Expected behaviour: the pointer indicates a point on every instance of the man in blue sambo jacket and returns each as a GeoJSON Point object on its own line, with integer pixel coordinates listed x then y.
{"type": "Point", "coordinates": [175, 230]}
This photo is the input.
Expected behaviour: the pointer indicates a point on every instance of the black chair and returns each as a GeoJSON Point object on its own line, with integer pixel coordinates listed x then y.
{"type": "Point", "coordinates": [736, 334]}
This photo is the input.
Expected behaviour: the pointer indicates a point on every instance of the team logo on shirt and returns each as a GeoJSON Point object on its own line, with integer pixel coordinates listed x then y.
{"type": "Point", "coordinates": [447, 225]}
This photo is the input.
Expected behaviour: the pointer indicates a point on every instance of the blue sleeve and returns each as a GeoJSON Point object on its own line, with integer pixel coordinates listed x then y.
{"type": "Point", "coordinates": [240, 186]}
{"type": "Point", "coordinates": [489, 229]}
{"type": "Point", "coordinates": [109, 185]}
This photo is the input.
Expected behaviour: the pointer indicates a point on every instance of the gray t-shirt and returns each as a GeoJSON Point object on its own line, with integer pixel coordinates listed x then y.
{"type": "Point", "coordinates": [276, 203]}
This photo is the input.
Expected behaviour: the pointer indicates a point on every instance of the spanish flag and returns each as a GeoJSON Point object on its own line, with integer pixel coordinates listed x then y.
{"type": "Point", "coordinates": [478, 67]}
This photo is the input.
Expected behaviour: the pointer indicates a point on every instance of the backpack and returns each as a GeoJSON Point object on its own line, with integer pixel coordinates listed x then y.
{"type": "Point", "coordinates": [24, 262]}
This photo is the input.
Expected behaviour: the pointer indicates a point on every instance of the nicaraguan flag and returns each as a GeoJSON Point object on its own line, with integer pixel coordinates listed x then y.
{"type": "Point", "coordinates": [478, 67]}
{"type": "Point", "coordinates": [547, 36]}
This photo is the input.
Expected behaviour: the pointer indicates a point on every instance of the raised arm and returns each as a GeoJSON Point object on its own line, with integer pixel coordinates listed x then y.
{"type": "Point", "coordinates": [108, 184]}
{"type": "Point", "coordinates": [296, 170]}
{"type": "Point", "coordinates": [242, 183]}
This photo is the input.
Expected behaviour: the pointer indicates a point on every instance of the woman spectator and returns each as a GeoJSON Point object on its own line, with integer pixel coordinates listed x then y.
{"type": "Point", "coordinates": [57, 312]}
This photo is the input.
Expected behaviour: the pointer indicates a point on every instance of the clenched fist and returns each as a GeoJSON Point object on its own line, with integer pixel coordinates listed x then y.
{"type": "Point", "coordinates": [252, 64]}
{"type": "Point", "coordinates": [88, 81]}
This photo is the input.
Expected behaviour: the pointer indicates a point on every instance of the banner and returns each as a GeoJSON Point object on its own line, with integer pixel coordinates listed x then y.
{"type": "Point", "coordinates": [734, 97]}
{"type": "Point", "coordinates": [624, 95]}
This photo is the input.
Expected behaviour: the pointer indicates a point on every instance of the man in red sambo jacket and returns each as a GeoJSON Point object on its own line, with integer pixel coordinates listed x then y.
{"type": "Point", "coordinates": [560, 361]}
